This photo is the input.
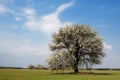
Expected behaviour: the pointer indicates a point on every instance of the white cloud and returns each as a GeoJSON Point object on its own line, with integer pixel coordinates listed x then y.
{"type": "Point", "coordinates": [101, 25]}
{"type": "Point", "coordinates": [17, 18]}
{"type": "Point", "coordinates": [20, 44]}
{"type": "Point", "coordinates": [29, 14]}
{"type": "Point", "coordinates": [17, 14]}
{"type": "Point", "coordinates": [29, 11]}
{"type": "Point", "coordinates": [3, 9]}
{"type": "Point", "coordinates": [48, 23]}
{"type": "Point", "coordinates": [63, 7]}
{"type": "Point", "coordinates": [107, 47]}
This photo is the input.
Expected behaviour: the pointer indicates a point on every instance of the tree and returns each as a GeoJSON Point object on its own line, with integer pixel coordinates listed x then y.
{"type": "Point", "coordinates": [39, 66]}
{"type": "Point", "coordinates": [31, 66]}
{"type": "Point", "coordinates": [75, 46]}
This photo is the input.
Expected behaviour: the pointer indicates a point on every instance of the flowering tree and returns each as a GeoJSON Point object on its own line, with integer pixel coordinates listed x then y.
{"type": "Point", "coordinates": [75, 46]}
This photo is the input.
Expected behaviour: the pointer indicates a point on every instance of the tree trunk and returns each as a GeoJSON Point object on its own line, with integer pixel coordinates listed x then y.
{"type": "Point", "coordinates": [76, 68]}
{"type": "Point", "coordinates": [77, 58]}
{"type": "Point", "coordinates": [76, 65]}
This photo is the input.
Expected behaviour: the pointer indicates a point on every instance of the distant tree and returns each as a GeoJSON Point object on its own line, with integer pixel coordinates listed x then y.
{"type": "Point", "coordinates": [75, 46]}
{"type": "Point", "coordinates": [39, 66]}
{"type": "Point", "coordinates": [31, 66]}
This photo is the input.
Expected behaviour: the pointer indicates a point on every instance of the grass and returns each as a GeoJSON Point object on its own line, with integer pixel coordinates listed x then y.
{"type": "Point", "coordinates": [24, 74]}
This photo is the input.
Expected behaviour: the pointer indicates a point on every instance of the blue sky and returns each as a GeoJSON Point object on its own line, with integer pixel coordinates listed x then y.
{"type": "Point", "coordinates": [26, 27]}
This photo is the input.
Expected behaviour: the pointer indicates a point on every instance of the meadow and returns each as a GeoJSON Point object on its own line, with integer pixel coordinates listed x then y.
{"type": "Point", "coordinates": [26, 74]}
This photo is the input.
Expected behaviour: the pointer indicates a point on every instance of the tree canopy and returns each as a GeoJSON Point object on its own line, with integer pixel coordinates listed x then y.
{"type": "Point", "coordinates": [75, 46]}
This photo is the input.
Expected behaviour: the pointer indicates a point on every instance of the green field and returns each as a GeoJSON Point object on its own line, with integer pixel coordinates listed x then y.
{"type": "Point", "coordinates": [24, 74]}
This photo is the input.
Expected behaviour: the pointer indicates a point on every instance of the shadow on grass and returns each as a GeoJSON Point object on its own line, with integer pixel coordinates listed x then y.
{"type": "Point", "coordinates": [83, 73]}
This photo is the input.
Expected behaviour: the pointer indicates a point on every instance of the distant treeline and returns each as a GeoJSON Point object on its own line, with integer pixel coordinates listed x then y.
{"type": "Point", "coordinates": [102, 69]}
{"type": "Point", "coordinates": [1, 67]}
{"type": "Point", "coordinates": [37, 67]}
{"type": "Point", "coordinates": [29, 67]}
{"type": "Point", "coordinates": [45, 68]}
{"type": "Point", "coordinates": [107, 68]}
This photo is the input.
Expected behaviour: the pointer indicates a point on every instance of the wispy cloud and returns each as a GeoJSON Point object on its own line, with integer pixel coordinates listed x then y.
{"type": "Point", "coordinates": [107, 46]}
{"type": "Point", "coordinates": [18, 18]}
{"type": "Point", "coordinates": [20, 44]}
{"type": "Point", "coordinates": [101, 25]}
{"type": "Point", "coordinates": [63, 7]}
{"type": "Point", "coordinates": [3, 9]}
{"type": "Point", "coordinates": [48, 23]}
{"type": "Point", "coordinates": [29, 11]}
